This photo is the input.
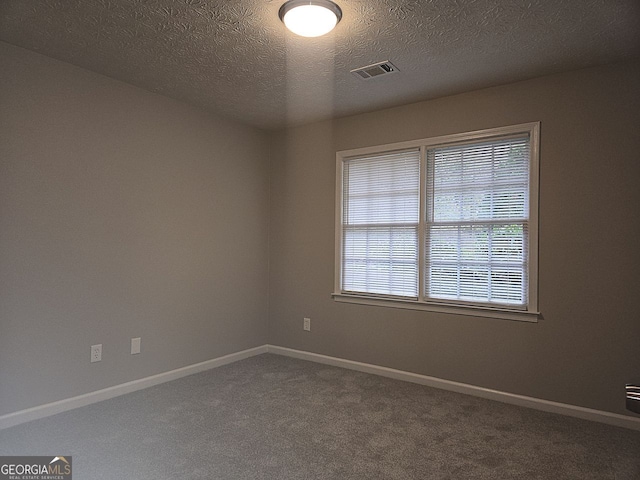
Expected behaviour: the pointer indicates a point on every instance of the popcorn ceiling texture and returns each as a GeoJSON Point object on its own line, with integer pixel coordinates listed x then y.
{"type": "Point", "coordinates": [236, 58]}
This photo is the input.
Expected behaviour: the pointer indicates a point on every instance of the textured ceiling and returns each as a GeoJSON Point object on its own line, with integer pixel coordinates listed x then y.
{"type": "Point", "coordinates": [235, 57]}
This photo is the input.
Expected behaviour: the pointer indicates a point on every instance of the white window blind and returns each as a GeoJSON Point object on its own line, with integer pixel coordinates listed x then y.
{"type": "Point", "coordinates": [446, 224]}
{"type": "Point", "coordinates": [476, 234]}
{"type": "Point", "coordinates": [380, 217]}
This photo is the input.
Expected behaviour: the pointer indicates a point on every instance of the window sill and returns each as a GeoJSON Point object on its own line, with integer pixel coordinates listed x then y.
{"type": "Point", "coordinates": [474, 311]}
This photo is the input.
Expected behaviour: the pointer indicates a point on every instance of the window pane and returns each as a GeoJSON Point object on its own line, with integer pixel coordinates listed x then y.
{"type": "Point", "coordinates": [474, 283]}
{"type": "Point", "coordinates": [381, 260]}
{"type": "Point", "coordinates": [508, 285]}
{"type": "Point", "coordinates": [476, 263]}
{"type": "Point", "coordinates": [480, 182]}
{"type": "Point", "coordinates": [382, 189]}
{"type": "Point", "coordinates": [480, 203]}
{"type": "Point", "coordinates": [508, 244]}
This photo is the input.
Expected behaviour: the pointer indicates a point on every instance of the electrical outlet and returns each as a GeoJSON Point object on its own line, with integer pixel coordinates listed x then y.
{"type": "Point", "coordinates": [96, 353]}
{"type": "Point", "coordinates": [135, 346]}
{"type": "Point", "coordinates": [307, 324]}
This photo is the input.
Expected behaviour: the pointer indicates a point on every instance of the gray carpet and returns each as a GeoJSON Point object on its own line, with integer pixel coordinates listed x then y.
{"type": "Point", "coordinates": [272, 417]}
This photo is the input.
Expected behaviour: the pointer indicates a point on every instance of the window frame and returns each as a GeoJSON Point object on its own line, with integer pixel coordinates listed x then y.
{"type": "Point", "coordinates": [529, 313]}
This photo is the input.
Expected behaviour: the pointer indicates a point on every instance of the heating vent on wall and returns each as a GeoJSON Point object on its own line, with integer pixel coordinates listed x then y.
{"type": "Point", "coordinates": [375, 70]}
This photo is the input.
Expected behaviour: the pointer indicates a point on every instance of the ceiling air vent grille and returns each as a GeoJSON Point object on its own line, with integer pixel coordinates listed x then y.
{"type": "Point", "coordinates": [375, 70]}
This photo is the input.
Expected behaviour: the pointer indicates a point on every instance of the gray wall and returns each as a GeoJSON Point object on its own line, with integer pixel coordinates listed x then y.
{"type": "Point", "coordinates": [122, 214]}
{"type": "Point", "coordinates": [586, 347]}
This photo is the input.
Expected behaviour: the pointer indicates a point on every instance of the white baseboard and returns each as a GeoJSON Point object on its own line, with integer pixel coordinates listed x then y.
{"type": "Point", "coordinates": [46, 410]}
{"type": "Point", "coordinates": [60, 406]}
{"type": "Point", "coordinates": [504, 397]}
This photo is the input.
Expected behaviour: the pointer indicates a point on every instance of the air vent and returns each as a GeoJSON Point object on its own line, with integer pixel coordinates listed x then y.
{"type": "Point", "coordinates": [375, 70]}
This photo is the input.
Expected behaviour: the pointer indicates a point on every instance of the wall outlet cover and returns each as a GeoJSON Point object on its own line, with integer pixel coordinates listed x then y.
{"type": "Point", "coordinates": [96, 353]}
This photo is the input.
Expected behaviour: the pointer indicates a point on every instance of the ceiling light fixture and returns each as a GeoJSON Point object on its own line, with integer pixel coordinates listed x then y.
{"type": "Point", "coordinates": [310, 18]}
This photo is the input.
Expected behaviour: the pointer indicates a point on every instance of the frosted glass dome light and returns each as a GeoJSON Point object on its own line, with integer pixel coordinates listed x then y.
{"type": "Point", "coordinates": [310, 18]}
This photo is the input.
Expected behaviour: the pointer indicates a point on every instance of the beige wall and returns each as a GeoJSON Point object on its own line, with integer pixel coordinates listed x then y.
{"type": "Point", "coordinates": [122, 214]}
{"type": "Point", "coordinates": [586, 347]}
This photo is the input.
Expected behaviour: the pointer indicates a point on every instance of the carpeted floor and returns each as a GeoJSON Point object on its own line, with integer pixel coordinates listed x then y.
{"type": "Point", "coordinates": [273, 417]}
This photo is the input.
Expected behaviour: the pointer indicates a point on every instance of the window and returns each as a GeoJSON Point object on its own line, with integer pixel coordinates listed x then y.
{"type": "Point", "coordinates": [446, 224]}
{"type": "Point", "coordinates": [380, 224]}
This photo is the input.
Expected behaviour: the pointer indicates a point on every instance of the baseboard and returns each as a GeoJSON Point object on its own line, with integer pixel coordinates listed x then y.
{"type": "Point", "coordinates": [504, 397]}
{"type": "Point", "coordinates": [46, 410]}
{"type": "Point", "coordinates": [60, 406]}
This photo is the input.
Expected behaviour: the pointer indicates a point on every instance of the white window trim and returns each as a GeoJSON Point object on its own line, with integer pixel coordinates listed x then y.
{"type": "Point", "coordinates": [531, 313]}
